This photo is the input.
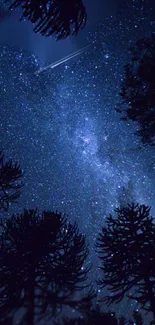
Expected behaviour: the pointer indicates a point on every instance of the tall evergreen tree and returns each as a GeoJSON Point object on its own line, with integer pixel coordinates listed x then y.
{"type": "Point", "coordinates": [41, 264]}
{"type": "Point", "coordinates": [62, 18]}
{"type": "Point", "coordinates": [126, 248]}
{"type": "Point", "coordinates": [138, 89]}
{"type": "Point", "coordinates": [10, 182]}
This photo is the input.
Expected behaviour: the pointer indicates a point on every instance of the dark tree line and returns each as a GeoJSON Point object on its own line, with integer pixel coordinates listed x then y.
{"type": "Point", "coordinates": [61, 18]}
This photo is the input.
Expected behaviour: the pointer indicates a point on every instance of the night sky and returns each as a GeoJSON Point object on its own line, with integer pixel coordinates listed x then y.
{"type": "Point", "coordinates": [61, 126]}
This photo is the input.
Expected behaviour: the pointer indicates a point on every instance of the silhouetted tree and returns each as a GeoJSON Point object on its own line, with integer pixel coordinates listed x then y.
{"type": "Point", "coordinates": [138, 89]}
{"type": "Point", "coordinates": [62, 18]}
{"type": "Point", "coordinates": [126, 248]}
{"type": "Point", "coordinates": [10, 182]}
{"type": "Point", "coordinates": [41, 264]}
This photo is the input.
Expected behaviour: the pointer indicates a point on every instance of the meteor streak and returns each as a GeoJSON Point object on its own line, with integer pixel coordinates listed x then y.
{"type": "Point", "coordinates": [66, 58]}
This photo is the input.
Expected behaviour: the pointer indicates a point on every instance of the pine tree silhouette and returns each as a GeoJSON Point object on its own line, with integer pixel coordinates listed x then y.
{"type": "Point", "coordinates": [10, 182]}
{"type": "Point", "coordinates": [41, 265]}
{"type": "Point", "coordinates": [126, 249]}
{"type": "Point", "coordinates": [138, 89]}
{"type": "Point", "coordinates": [62, 18]}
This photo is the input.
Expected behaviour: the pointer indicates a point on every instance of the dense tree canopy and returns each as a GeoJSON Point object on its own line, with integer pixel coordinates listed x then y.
{"type": "Point", "coordinates": [61, 18]}
{"type": "Point", "coordinates": [138, 89]}
{"type": "Point", "coordinates": [126, 249]}
{"type": "Point", "coordinates": [41, 264]}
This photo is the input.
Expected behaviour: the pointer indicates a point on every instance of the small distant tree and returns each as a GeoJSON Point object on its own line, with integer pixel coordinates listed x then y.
{"type": "Point", "coordinates": [126, 248]}
{"type": "Point", "coordinates": [41, 265]}
{"type": "Point", "coordinates": [10, 182]}
{"type": "Point", "coordinates": [138, 89]}
{"type": "Point", "coordinates": [61, 18]}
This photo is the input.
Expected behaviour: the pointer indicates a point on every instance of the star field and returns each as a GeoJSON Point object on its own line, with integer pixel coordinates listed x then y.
{"type": "Point", "coordinates": [61, 126]}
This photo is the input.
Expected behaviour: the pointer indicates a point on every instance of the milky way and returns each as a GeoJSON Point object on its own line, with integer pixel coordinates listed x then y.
{"type": "Point", "coordinates": [61, 126]}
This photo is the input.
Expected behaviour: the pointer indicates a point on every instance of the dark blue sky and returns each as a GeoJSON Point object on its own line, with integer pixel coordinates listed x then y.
{"type": "Point", "coordinates": [61, 126]}
{"type": "Point", "coordinates": [18, 33]}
